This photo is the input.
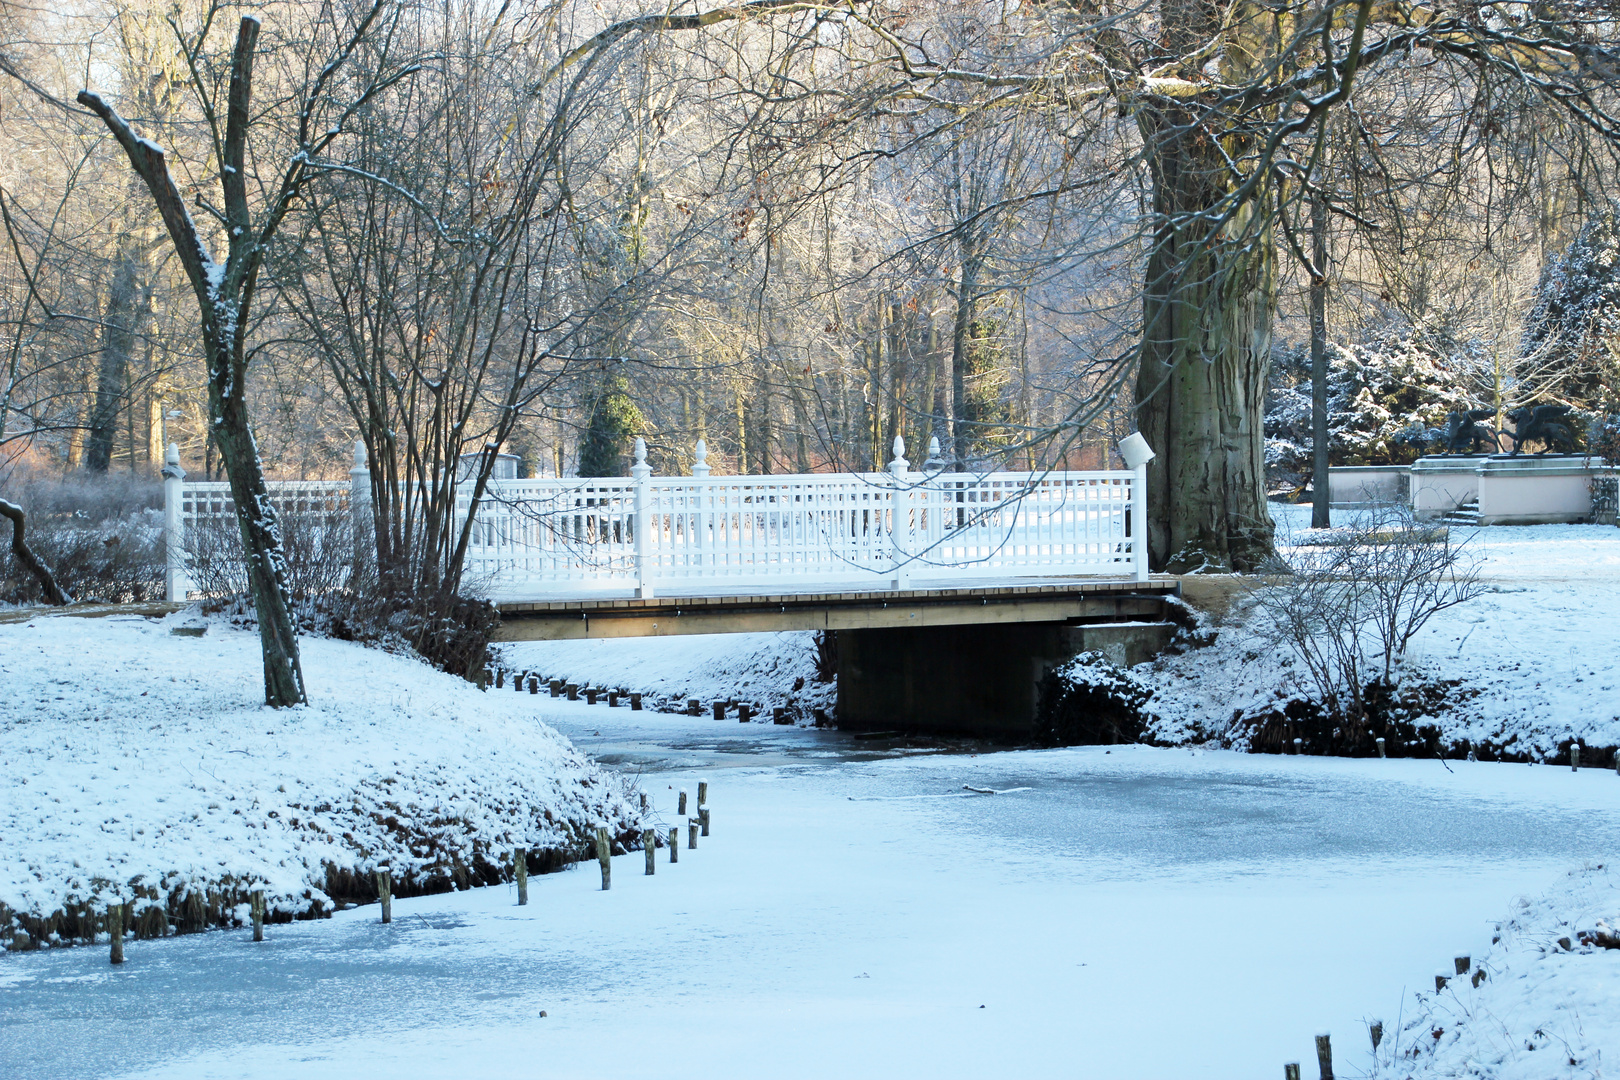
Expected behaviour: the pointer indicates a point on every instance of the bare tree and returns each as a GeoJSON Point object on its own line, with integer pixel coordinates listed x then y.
{"type": "Point", "coordinates": [226, 290]}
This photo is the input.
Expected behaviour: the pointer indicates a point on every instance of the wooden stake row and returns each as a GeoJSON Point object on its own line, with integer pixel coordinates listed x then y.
{"type": "Point", "coordinates": [520, 865]}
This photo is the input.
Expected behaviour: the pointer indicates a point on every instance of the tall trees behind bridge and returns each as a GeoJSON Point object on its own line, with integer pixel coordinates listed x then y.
{"type": "Point", "coordinates": [795, 231]}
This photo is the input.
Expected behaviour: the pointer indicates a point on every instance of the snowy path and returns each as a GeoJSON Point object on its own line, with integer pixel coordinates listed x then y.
{"type": "Point", "coordinates": [1139, 914]}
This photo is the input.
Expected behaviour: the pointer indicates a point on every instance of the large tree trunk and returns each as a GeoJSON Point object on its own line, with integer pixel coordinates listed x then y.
{"type": "Point", "coordinates": [1207, 310]}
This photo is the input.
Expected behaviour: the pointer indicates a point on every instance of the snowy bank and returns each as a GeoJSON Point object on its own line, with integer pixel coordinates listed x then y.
{"type": "Point", "coordinates": [765, 670]}
{"type": "Point", "coordinates": [1542, 1003]}
{"type": "Point", "coordinates": [1521, 671]}
{"type": "Point", "coordinates": [141, 766]}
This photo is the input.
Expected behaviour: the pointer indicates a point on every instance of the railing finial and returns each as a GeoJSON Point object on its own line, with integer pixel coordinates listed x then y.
{"type": "Point", "coordinates": [641, 450]}
{"type": "Point", "coordinates": [899, 465]}
{"type": "Point", "coordinates": [360, 453]}
{"type": "Point", "coordinates": [700, 459]}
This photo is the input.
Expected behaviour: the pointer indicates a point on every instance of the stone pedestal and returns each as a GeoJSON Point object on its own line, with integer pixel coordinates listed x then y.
{"type": "Point", "coordinates": [1350, 486]}
{"type": "Point", "coordinates": [1443, 484]}
{"type": "Point", "coordinates": [1536, 489]}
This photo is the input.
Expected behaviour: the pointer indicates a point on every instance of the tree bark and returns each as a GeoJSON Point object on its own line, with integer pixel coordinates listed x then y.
{"type": "Point", "coordinates": [1207, 309]}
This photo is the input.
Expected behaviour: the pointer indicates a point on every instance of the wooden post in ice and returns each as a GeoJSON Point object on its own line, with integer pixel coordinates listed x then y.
{"type": "Point", "coordinates": [1574, 757]}
{"type": "Point", "coordinates": [1136, 452]}
{"type": "Point", "coordinates": [691, 833]}
{"type": "Point", "coordinates": [703, 793]}
{"type": "Point", "coordinates": [1291, 1071]}
{"type": "Point", "coordinates": [680, 807]}
{"type": "Point", "coordinates": [1324, 1056]}
{"type": "Point", "coordinates": [520, 868]}
{"type": "Point", "coordinates": [385, 894]}
{"type": "Point", "coordinates": [604, 855]}
{"type": "Point", "coordinates": [639, 474]}
{"type": "Point", "coordinates": [174, 527]}
{"type": "Point", "coordinates": [258, 914]}
{"type": "Point", "coordinates": [635, 702]}
{"type": "Point", "coordinates": [115, 930]}
{"type": "Point", "coordinates": [649, 842]}
{"type": "Point", "coordinates": [703, 820]}
{"type": "Point", "coordinates": [1380, 741]}
{"type": "Point", "coordinates": [675, 844]}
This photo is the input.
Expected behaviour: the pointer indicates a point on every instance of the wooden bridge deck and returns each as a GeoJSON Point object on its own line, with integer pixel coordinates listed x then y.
{"type": "Point", "coordinates": [1065, 601]}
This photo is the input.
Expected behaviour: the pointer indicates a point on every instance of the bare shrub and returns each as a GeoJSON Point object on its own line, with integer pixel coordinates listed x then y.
{"type": "Point", "coordinates": [101, 537]}
{"type": "Point", "coordinates": [451, 631]}
{"type": "Point", "coordinates": [318, 547]}
{"type": "Point", "coordinates": [1348, 601]}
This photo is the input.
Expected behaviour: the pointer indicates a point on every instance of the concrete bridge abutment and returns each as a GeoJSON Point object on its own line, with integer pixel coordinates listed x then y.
{"type": "Point", "coordinates": [981, 680]}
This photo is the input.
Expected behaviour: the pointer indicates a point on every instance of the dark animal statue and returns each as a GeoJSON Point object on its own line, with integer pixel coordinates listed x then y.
{"type": "Point", "coordinates": [1466, 435]}
{"type": "Point", "coordinates": [1544, 424]}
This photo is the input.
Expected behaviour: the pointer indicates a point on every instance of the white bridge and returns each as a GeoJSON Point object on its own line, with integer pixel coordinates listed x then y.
{"type": "Point", "coordinates": [701, 535]}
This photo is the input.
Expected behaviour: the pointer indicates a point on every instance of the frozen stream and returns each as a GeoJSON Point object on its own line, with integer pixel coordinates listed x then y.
{"type": "Point", "coordinates": [1134, 914]}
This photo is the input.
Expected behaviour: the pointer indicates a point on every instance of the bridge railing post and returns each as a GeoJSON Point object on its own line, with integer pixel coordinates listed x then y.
{"type": "Point", "coordinates": [1137, 453]}
{"type": "Point", "coordinates": [174, 526]}
{"type": "Point", "coordinates": [900, 516]}
{"type": "Point", "coordinates": [640, 473]}
{"type": "Point", "coordinates": [360, 510]}
{"type": "Point", "coordinates": [698, 521]}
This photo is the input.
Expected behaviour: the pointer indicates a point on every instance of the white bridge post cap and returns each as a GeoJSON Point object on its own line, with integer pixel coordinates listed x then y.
{"type": "Point", "coordinates": [1135, 450]}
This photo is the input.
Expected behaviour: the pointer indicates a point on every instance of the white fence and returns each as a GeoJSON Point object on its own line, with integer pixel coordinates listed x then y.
{"type": "Point", "coordinates": [721, 535]}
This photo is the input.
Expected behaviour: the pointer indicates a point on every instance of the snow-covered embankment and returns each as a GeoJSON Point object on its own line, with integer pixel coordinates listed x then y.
{"type": "Point", "coordinates": [142, 767]}
{"type": "Point", "coordinates": [1541, 1004]}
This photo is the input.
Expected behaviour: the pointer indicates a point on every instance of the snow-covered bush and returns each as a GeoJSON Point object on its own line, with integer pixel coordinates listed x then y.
{"type": "Point", "coordinates": [1347, 606]}
{"type": "Point", "coordinates": [1090, 700]}
{"type": "Point", "coordinates": [1574, 327]}
{"type": "Point", "coordinates": [1388, 401]}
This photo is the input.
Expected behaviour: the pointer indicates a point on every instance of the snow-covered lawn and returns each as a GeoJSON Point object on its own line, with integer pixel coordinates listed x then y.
{"type": "Point", "coordinates": [1138, 913]}
{"type": "Point", "coordinates": [139, 765]}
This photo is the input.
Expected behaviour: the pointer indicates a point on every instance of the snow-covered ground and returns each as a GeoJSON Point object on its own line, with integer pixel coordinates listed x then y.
{"type": "Point", "coordinates": [1139, 913]}
{"type": "Point", "coordinates": [139, 765]}
{"type": "Point", "coordinates": [1541, 647]}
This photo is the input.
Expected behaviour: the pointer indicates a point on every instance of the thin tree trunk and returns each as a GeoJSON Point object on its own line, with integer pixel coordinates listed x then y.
{"type": "Point", "coordinates": [112, 368]}
{"type": "Point", "coordinates": [967, 305]}
{"type": "Point", "coordinates": [1321, 512]}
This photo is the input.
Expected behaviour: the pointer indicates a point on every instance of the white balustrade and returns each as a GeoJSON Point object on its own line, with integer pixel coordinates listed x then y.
{"type": "Point", "coordinates": [723, 535]}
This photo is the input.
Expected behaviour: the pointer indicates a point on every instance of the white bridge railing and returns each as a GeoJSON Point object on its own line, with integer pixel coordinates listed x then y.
{"type": "Point", "coordinates": [716, 535]}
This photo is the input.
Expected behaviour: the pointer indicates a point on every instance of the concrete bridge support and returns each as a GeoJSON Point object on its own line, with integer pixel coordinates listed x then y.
{"type": "Point", "coordinates": [975, 679]}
